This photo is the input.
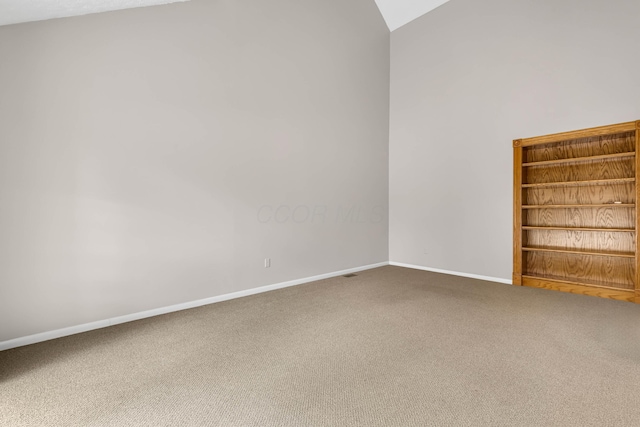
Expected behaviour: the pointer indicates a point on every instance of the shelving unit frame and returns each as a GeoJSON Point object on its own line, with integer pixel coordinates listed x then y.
{"type": "Point", "coordinates": [608, 266]}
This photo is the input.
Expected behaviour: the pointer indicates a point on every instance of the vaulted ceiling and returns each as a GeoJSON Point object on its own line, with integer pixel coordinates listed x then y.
{"type": "Point", "coordinates": [16, 11]}
{"type": "Point", "coordinates": [399, 12]}
{"type": "Point", "coordinates": [395, 12]}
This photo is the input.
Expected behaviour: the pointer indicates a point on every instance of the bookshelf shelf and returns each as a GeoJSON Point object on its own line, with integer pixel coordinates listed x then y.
{"type": "Point", "coordinates": [575, 219]}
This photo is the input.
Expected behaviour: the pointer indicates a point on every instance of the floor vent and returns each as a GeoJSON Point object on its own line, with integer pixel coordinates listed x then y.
{"type": "Point", "coordinates": [350, 275]}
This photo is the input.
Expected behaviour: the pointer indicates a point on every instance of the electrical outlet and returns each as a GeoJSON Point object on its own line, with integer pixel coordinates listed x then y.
{"type": "Point", "coordinates": [267, 262]}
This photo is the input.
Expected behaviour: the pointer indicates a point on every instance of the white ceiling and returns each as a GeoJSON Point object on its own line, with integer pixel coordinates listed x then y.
{"type": "Point", "coordinates": [16, 11]}
{"type": "Point", "coordinates": [399, 12]}
{"type": "Point", "coordinates": [396, 12]}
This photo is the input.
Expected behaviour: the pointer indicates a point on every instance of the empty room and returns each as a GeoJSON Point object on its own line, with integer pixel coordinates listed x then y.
{"type": "Point", "coordinates": [319, 213]}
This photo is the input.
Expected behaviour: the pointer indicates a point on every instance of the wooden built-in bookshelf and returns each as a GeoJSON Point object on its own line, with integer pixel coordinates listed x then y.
{"type": "Point", "coordinates": [575, 203]}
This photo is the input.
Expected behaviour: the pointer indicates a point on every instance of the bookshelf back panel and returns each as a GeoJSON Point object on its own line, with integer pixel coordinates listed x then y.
{"type": "Point", "coordinates": [581, 217]}
{"type": "Point", "coordinates": [581, 240]}
{"type": "Point", "coordinates": [587, 195]}
{"type": "Point", "coordinates": [585, 147]}
{"type": "Point", "coordinates": [588, 171]}
{"type": "Point", "coordinates": [617, 272]}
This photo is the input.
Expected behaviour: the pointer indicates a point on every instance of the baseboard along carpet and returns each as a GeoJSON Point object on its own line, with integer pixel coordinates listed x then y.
{"type": "Point", "coordinates": [389, 347]}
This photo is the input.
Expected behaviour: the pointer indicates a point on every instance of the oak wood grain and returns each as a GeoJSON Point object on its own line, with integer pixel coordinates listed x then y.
{"type": "Point", "coordinates": [517, 215]}
{"type": "Point", "coordinates": [637, 195]}
{"type": "Point", "coordinates": [586, 206]}
{"type": "Point", "coordinates": [617, 272]}
{"type": "Point", "coordinates": [580, 183]}
{"type": "Point", "coordinates": [586, 171]}
{"type": "Point", "coordinates": [622, 230]}
{"type": "Point", "coordinates": [580, 159]}
{"type": "Point", "coordinates": [581, 289]}
{"type": "Point", "coordinates": [604, 242]}
{"type": "Point", "coordinates": [581, 195]}
{"type": "Point", "coordinates": [591, 217]}
{"type": "Point", "coordinates": [590, 252]}
{"type": "Point", "coordinates": [575, 209]}
{"type": "Point", "coordinates": [579, 134]}
{"type": "Point", "coordinates": [585, 147]}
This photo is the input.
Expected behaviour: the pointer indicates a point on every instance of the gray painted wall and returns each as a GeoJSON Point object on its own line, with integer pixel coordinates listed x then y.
{"type": "Point", "coordinates": [467, 79]}
{"type": "Point", "coordinates": [144, 154]}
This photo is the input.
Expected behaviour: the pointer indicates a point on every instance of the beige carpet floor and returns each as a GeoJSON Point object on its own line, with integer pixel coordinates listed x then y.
{"type": "Point", "coordinates": [390, 347]}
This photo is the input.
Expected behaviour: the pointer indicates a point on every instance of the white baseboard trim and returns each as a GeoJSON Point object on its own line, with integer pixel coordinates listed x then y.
{"type": "Point", "coordinates": [453, 273]}
{"type": "Point", "coordinates": [59, 333]}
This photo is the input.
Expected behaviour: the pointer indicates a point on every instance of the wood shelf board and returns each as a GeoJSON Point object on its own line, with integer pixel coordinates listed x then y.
{"type": "Point", "coordinates": [576, 183]}
{"type": "Point", "coordinates": [581, 281]}
{"type": "Point", "coordinates": [596, 229]}
{"type": "Point", "coordinates": [567, 285]}
{"type": "Point", "coordinates": [580, 159]}
{"type": "Point", "coordinates": [581, 252]}
{"type": "Point", "coordinates": [577, 206]}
